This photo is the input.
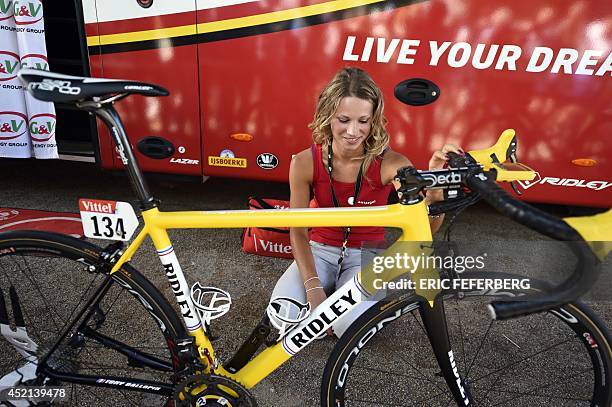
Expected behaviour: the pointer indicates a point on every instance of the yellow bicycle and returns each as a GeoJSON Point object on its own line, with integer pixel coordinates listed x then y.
{"type": "Point", "coordinates": [87, 343]}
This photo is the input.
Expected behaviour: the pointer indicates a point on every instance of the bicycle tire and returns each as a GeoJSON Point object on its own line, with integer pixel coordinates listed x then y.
{"type": "Point", "coordinates": [39, 265]}
{"type": "Point", "coordinates": [360, 371]}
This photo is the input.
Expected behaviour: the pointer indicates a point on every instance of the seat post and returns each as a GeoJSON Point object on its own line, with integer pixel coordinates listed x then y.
{"type": "Point", "coordinates": [109, 116]}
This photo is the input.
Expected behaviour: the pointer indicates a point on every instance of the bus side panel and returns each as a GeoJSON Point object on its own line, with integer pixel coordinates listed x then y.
{"type": "Point", "coordinates": [264, 82]}
{"type": "Point", "coordinates": [175, 117]}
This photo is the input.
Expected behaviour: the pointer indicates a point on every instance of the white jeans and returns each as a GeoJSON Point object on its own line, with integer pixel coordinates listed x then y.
{"type": "Point", "coordinates": [332, 277]}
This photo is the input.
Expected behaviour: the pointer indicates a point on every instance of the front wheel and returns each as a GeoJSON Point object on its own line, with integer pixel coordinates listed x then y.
{"type": "Point", "coordinates": [561, 357]}
{"type": "Point", "coordinates": [128, 338]}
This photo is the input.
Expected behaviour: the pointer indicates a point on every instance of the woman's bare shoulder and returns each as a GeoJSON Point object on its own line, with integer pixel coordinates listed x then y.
{"type": "Point", "coordinates": [392, 161]}
{"type": "Point", "coordinates": [302, 165]}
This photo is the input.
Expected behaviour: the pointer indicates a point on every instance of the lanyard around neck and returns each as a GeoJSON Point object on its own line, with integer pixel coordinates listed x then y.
{"type": "Point", "coordinates": [347, 231]}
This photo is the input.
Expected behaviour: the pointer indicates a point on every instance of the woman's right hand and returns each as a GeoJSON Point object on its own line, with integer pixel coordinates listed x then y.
{"type": "Point", "coordinates": [315, 296]}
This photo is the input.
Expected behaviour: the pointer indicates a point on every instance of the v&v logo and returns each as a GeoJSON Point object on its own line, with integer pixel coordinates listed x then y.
{"type": "Point", "coordinates": [27, 12]}
{"type": "Point", "coordinates": [12, 125]}
{"type": "Point", "coordinates": [42, 127]}
{"type": "Point", "coordinates": [9, 65]}
{"type": "Point", "coordinates": [6, 9]}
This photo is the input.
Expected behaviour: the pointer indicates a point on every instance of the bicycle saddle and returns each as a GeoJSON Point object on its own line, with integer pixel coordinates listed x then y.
{"type": "Point", "coordinates": [54, 87]}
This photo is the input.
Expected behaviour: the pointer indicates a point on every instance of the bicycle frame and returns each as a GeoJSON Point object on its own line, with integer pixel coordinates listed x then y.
{"type": "Point", "coordinates": [157, 223]}
{"type": "Point", "coordinates": [410, 217]}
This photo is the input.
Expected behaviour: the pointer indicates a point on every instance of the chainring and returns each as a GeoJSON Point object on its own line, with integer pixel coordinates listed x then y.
{"type": "Point", "coordinates": [214, 392]}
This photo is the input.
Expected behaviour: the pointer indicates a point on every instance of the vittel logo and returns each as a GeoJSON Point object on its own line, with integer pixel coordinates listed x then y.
{"type": "Point", "coordinates": [272, 247]}
{"type": "Point", "coordinates": [9, 65]}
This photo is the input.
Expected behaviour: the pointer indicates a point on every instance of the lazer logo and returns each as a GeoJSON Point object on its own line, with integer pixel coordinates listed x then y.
{"type": "Point", "coordinates": [444, 178]}
{"type": "Point", "coordinates": [184, 161]}
{"type": "Point", "coordinates": [42, 127]}
{"type": "Point", "coordinates": [271, 247]}
{"type": "Point", "coordinates": [566, 182]}
{"type": "Point", "coordinates": [176, 289]}
{"type": "Point", "coordinates": [451, 357]}
{"type": "Point", "coordinates": [9, 65]}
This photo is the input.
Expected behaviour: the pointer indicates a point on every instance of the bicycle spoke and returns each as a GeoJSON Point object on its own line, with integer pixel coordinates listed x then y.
{"type": "Point", "coordinates": [522, 360]}
{"type": "Point", "coordinates": [550, 383]}
{"type": "Point", "coordinates": [467, 374]}
{"type": "Point", "coordinates": [413, 367]}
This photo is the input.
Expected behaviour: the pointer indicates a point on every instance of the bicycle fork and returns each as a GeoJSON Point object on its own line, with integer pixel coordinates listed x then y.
{"type": "Point", "coordinates": [434, 320]}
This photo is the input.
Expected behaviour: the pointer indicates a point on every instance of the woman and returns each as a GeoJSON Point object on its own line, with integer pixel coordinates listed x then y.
{"type": "Point", "coordinates": [349, 164]}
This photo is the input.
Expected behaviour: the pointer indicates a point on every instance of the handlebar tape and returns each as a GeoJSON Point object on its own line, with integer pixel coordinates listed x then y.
{"type": "Point", "coordinates": [583, 277]}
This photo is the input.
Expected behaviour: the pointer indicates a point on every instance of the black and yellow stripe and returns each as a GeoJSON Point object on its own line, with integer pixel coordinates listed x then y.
{"type": "Point", "coordinates": [240, 27]}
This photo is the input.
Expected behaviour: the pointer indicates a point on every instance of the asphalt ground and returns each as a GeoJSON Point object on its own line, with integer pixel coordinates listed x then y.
{"type": "Point", "coordinates": [213, 257]}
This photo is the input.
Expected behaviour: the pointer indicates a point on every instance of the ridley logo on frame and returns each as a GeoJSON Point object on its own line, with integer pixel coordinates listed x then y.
{"type": "Point", "coordinates": [267, 161]}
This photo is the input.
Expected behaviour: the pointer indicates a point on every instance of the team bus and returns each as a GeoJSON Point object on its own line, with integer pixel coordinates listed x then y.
{"type": "Point", "coordinates": [244, 76]}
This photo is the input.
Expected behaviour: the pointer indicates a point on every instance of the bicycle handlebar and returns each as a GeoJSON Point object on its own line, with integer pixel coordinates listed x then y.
{"type": "Point", "coordinates": [583, 277]}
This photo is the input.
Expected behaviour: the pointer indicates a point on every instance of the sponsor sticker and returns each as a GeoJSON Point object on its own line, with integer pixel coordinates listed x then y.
{"type": "Point", "coordinates": [227, 162]}
{"type": "Point", "coordinates": [35, 61]}
{"type": "Point", "coordinates": [227, 154]}
{"type": "Point", "coordinates": [9, 65]}
{"type": "Point", "coordinates": [566, 182]}
{"type": "Point", "coordinates": [12, 125]}
{"type": "Point", "coordinates": [42, 127]}
{"type": "Point", "coordinates": [267, 161]}
{"type": "Point", "coordinates": [28, 12]}
{"type": "Point", "coordinates": [111, 220]}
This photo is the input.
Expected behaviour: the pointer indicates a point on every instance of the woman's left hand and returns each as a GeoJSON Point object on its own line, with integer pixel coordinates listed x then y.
{"type": "Point", "coordinates": [440, 157]}
{"type": "Point", "coordinates": [437, 162]}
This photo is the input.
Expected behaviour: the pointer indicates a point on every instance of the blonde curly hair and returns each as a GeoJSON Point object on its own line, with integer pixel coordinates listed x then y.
{"type": "Point", "coordinates": [357, 83]}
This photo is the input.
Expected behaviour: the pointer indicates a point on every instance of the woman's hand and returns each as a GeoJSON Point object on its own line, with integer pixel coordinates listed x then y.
{"type": "Point", "coordinates": [315, 296]}
{"type": "Point", "coordinates": [440, 157]}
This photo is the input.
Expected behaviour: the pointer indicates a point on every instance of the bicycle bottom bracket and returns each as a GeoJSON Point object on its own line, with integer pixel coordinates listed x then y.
{"type": "Point", "coordinates": [210, 390]}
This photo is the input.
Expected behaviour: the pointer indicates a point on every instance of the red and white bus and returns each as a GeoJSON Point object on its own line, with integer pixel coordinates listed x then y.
{"type": "Point", "coordinates": [244, 76]}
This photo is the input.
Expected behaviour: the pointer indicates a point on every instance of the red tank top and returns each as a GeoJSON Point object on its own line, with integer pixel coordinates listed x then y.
{"type": "Point", "coordinates": [372, 193]}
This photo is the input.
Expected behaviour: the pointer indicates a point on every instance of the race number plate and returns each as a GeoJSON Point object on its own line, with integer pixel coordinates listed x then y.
{"type": "Point", "coordinates": [110, 220]}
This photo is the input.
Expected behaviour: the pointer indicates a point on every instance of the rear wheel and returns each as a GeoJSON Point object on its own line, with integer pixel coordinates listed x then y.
{"type": "Point", "coordinates": [47, 278]}
{"type": "Point", "coordinates": [561, 358]}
